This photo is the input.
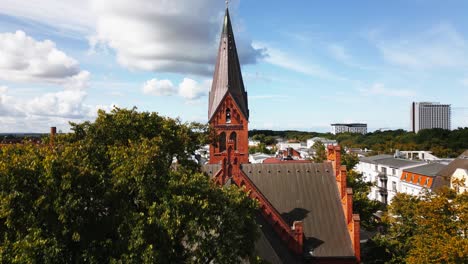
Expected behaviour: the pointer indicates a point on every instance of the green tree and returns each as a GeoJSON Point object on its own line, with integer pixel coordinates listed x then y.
{"type": "Point", "coordinates": [110, 193]}
{"type": "Point", "coordinates": [320, 154]}
{"type": "Point", "coordinates": [427, 229]}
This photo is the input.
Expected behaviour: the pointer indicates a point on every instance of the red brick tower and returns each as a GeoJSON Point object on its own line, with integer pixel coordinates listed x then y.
{"type": "Point", "coordinates": [228, 112]}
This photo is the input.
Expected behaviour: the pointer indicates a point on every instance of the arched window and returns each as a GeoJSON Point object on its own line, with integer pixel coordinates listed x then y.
{"type": "Point", "coordinates": [222, 142]}
{"type": "Point", "coordinates": [228, 116]}
{"type": "Point", "coordinates": [233, 137]}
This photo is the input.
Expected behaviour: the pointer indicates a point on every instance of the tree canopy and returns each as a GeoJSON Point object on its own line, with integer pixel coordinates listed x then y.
{"type": "Point", "coordinates": [110, 192]}
{"type": "Point", "coordinates": [427, 229]}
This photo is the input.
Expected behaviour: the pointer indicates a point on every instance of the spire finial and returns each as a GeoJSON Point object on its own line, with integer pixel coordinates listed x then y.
{"type": "Point", "coordinates": [227, 3]}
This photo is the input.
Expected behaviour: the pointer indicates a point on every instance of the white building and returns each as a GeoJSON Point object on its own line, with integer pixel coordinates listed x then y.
{"type": "Point", "coordinates": [286, 145]}
{"type": "Point", "coordinates": [259, 157]}
{"type": "Point", "coordinates": [385, 171]}
{"type": "Point", "coordinates": [350, 128]}
{"type": "Point", "coordinates": [253, 143]}
{"type": "Point", "coordinates": [325, 141]}
{"type": "Point", "coordinates": [426, 115]}
{"type": "Point", "coordinates": [417, 155]}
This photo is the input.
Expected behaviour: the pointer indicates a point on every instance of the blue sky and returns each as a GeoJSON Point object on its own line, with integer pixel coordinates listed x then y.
{"type": "Point", "coordinates": [306, 64]}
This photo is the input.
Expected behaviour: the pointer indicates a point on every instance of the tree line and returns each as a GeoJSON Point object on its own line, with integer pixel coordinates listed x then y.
{"type": "Point", "coordinates": [443, 143]}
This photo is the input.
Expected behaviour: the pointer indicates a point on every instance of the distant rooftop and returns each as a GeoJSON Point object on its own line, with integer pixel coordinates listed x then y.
{"type": "Point", "coordinates": [431, 169]}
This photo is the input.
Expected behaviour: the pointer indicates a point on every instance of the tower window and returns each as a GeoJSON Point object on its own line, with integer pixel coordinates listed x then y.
{"type": "Point", "coordinates": [222, 142]}
{"type": "Point", "coordinates": [228, 115]}
{"type": "Point", "coordinates": [233, 137]}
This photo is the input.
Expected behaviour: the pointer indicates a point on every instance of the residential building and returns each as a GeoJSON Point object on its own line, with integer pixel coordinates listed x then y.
{"type": "Point", "coordinates": [427, 115]}
{"type": "Point", "coordinates": [416, 155]}
{"type": "Point", "coordinates": [350, 128]}
{"type": "Point", "coordinates": [325, 141]}
{"type": "Point", "coordinates": [259, 157]}
{"type": "Point", "coordinates": [253, 143]}
{"type": "Point", "coordinates": [454, 173]}
{"type": "Point", "coordinates": [305, 209]}
{"type": "Point", "coordinates": [385, 171]}
{"type": "Point", "coordinates": [286, 145]}
{"type": "Point", "coordinates": [418, 179]}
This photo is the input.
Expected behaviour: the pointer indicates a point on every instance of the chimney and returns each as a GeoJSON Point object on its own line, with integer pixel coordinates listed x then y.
{"type": "Point", "coordinates": [334, 156]}
{"type": "Point", "coordinates": [53, 131]}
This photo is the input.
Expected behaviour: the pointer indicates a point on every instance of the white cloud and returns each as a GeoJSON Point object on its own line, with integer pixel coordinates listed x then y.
{"type": "Point", "coordinates": [67, 104]}
{"type": "Point", "coordinates": [172, 36]}
{"type": "Point", "coordinates": [191, 89]}
{"type": "Point", "coordinates": [3, 89]}
{"type": "Point", "coordinates": [339, 52]}
{"type": "Point", "coordinates": [440, 47]}
{"type": "Point", "coordinates": [159, 87]}
{"type": "Point", "coordinates": [178, 36]}
{"type": "Point", "coordinates": [188, 88]}
{"type": "Point", "coordinates": [380, 89]}
{"type": "Point", "coordinates": [23, 58]}
{"type": "Point", "coordinates": [288, 61]}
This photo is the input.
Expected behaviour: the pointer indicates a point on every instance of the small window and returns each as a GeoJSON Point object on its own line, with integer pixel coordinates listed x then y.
{"type": "Point", "coordinates": [394, 186]}
{"type": "Point", "coordinates": [406, 176]}
{"type": "Point", "coordinates": [419, 179]}
{"type": "Point", "coordinates": [412, 177]}
{"type": "Point", "coordinates": [427, 181]}
{"type": "Point", "coordinates": [393, 172]}
{"type": "Point", "coordinates": [228, 116]}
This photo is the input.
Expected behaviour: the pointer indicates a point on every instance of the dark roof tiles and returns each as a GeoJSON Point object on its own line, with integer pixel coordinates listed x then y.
{"type": "Point", "coordinates": [306, 192]}
{"type": "Point", "coordinates": [227, 77]}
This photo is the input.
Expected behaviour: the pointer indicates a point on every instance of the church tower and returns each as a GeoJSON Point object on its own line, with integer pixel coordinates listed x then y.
{"type": "Point", "coordinates": [228, 112]}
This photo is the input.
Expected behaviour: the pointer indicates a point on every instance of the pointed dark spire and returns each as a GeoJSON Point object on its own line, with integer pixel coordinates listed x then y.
{"type": "Point", "coordinates": [227, 77]}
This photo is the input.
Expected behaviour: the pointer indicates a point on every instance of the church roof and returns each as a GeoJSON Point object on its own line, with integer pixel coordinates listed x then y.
{"type": "Point", "coordinates": [300, 192]}
{"type": "Point", "coordinates": [227, 76]}
{"type": "Point", "coordinates": [306, 192]}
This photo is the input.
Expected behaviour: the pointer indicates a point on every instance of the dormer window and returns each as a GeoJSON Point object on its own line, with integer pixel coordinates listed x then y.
{"type": "Point", "coordinates": [228, 116]}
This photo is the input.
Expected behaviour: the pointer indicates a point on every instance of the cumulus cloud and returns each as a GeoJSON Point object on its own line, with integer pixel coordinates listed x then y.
{"type": "Point", "coordinates": [159, 87]}
{"type": "Point", "coordinates": [191, 89]}
{"type": "Point", "coordinates": [173, 36]}
{"type": "Point", "coordinates": [380, 89]}
{"type": "Point", "coordinates": [188, 88]}
{"type": "Point", "coordinates": [22, 58]}
{"type": "Point", "coordinates": [178, 36]}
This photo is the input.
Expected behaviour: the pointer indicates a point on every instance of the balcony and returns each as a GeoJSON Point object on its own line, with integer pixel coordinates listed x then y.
{"type": "Point", "coordinates": [382, 176]}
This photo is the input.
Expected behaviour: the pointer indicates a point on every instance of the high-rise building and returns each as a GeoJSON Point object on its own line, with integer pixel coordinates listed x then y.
{"type": "Point", "coordinates": [427, 115]}
{"type": "Point", "coordinates": [350, 128]}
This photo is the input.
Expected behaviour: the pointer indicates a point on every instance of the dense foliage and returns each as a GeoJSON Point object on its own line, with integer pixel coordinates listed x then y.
{"type": "Point", "coordinates": [110, 193]}
{"type": "Point", "coordinates": [443, 143]}
{"type": "Point", "coordinates": [428, 229]}
{"type": "Point", "coordinates": [320, 153]}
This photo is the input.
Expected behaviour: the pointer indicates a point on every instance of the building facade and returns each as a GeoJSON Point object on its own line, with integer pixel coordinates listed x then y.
{"type": "Point", "coordinates": [385, 171]}
{"type": "Point", "coordinates": [350, 128]}
{"type": "Point", "coordinates": [427, 115]}
{"type": "Point", "coordinates": [325, 141]}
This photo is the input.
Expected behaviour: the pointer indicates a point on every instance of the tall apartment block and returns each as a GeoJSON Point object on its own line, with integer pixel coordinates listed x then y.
{"type": "Point", "coordinates": [427, 115]}
{"type": "Point", "coordinates": [351, 128]}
